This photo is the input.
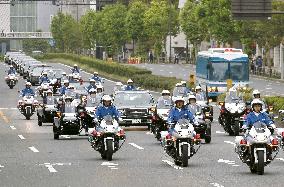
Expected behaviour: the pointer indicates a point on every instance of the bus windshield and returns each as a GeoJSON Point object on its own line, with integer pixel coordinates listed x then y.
{"type": "Point", "coordinates": [221, 71]}
{"type": "Point", "coordinates": [218, 71]}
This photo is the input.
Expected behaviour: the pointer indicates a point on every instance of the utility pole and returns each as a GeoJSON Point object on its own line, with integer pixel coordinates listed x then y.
{"type": "Point", "coordinates": [170, 31]}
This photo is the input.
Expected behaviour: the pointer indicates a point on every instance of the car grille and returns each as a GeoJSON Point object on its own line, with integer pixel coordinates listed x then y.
{"type": "Point", "coordinates": [136, 112]}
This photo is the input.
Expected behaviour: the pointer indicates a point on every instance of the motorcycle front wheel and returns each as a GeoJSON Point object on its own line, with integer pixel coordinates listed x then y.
{"type": "Point", "coordinates": [260, 164]}
{"type": "Point", "coordinates": [184, 155]}
{"type": "Point", "coordinates": [109, 150]}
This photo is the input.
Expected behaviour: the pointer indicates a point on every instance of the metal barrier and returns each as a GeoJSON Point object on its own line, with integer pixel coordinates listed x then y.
{"type": "Point", "coordinates": [25, 35]}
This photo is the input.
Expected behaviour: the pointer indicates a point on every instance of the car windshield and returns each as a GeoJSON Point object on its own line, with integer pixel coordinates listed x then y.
{"type": "Point", "coordinates": [179, 91]}
{"type": "Point", "coordinates": [50, 100]}
{"type": "Point", "coordinates": [132, 99]}
{"type": "Point", "coordinates": [164, 104]}
{"type": "Point", "coordinates": [55, 73]}
{"type": "Point", "coordinates": [37, 71]}
{"type": "Point", "coordinates": [233, 97]}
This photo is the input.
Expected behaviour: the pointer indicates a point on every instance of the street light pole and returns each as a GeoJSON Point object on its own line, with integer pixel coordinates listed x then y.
{"type": "Point", "coordinates": [170, 32]}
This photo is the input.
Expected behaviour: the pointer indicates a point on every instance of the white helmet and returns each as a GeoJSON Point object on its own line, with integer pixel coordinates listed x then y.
{"type": "Point", "coordinates": [179, 98]}
{"type": "Point", "coordinates": [49, 91]}
{"type": "Point", "coordinates": [106, 98]}
{"type": "Point", "coordinates": [63, 73]}
{"type": "Point", "coordinates": [129, 81]}
{"type": "Point", "coordinates": [119, 84]}
{"type": "Point", "coordinates": [166, 92]}
{"type": "Point", "coordinates": [75, 65]}
{"type": "Point", "coordinates": [92, 80]}
{"type": "Point", "coordinates": [255, 92]}
{"type": "Point", "coordinates": [92, 90]}
{"type": "Point", "coordinates": [256, 101]}
{"type": "Point", "coordinates": [183, 82]}
{"type": "Point", "coordinates": [232, 89]}
{"type": "Point", "coordinates": [100, 86]}
{"type": "Point", "coordinates": [71, 87]}
{"type": "Point", "coordinates": [11, 66]}
{"type": "Point", "coordinates": [178, 84]}
{"type": "Point", "coordinates": [65, 82]}
{"type": "Point", "coordinates": [198, 87]}
{"type": "Point", "coordinates": [44, 73]}
{"type": "Point", "coordinates": [191, 97]}
{"type": "Point", "coordinates": [96, 73]}
{"type": "Point", "coordinates": [28, 84]}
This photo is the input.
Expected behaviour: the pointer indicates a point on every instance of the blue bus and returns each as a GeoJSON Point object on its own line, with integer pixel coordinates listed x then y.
{"type": "Point", "coordinates": [215, 66]}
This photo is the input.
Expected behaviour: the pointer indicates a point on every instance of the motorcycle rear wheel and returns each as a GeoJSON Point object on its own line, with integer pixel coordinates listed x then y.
{"type": "Point", "coordinates": [260, 164]}
{"type": "Point", "coordinates": [109, 150]}
{"type": "Point", "coordinates": [56, 136]}
{"type": "Point", "coordinates": [184, 155]}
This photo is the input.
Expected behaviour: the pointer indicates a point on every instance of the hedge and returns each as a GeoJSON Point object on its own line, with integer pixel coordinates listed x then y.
{"type": "Point", "coordinates": [141, 77]}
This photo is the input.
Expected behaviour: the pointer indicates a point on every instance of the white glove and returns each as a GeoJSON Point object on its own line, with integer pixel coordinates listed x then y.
{"type": "Point", "coordinates": [96, 120]}
{"type": "Point", "coordinates": [273, 126]}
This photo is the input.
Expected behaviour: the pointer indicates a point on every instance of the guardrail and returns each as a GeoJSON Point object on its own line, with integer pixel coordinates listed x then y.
{"type": "Point", "coordinates": [25, 35]}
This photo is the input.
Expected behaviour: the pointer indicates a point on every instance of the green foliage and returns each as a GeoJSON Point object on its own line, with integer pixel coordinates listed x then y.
{"type": "Point", "coordinates": [66, 33]}
{"type": "Point", "coordinates": [30, 45]}
{"type": "Point", "coordinates": [160, 20]}
{"type": "Point", "coordinates": [141, 77]}
{"type": "Point", "coordinates": [275, 101]}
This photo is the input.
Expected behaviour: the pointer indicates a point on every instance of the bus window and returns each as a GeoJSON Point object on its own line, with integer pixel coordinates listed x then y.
{"type": "Point", "coordinates": [239, 71]}
{"type": "Point", "coordinates": [219, 71]}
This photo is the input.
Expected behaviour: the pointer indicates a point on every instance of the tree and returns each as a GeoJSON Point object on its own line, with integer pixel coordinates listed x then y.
{"type": "Point", "coordinates": [134, 22]}
{"type": "Point", "coordinates": [57, 30]}
{"type": "Point", "coordinates": [113, 27]}
{"type": "Point", "coordinates": [160, 20]}
{"type": "Point", "coordinates": [30, 45]}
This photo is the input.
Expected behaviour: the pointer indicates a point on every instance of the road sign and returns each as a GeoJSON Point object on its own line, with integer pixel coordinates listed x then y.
{"type": "Point", "coordinates": [251, 9]}
{"type": "Point", "coordinates": [229, 84]}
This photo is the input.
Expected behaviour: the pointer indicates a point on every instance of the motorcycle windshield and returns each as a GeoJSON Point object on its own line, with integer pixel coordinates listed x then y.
{"type": "Point", "coordinates": [259, 127]}
{"type": "Point", "coordinates": [28, 95]}
{"type": "Point", "coordinates": [50, 100]}
{"type": "Point", "coordinates": [184, 123]}
{"type": "Point", "coordinates": [69, 108]}
{"type": "Point", "coordinates": [200, 97]}
{"type": "Point", "coordinates": [164, 104]}
{"type": "Point", "coordinates": [92, 102]}
{"type": "Point", "coordinates": [108, 119]}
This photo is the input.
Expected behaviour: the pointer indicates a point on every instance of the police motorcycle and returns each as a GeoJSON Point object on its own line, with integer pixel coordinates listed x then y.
{"type": "Point", "coordinates": [258, 149]}
{"type": "Point", "coordinates": [232, 112]}
{"type": "Point", "coordinates": [203, 126]}
{"type": "Point", "coordinates": [11, 80]}
{"type": "Point", "coordinates": [47, 111]}
{"type": "Point", "coordinates": [42, 89]}
{"type": "Point", "coordinates": [107, 138]}
{"type": "Point", "coordinates": [67, 120]}
{"type": "Point", "coordinates": [183, 143]}
{"type": "Point", "coordinates": [27, 105]}
{"type": "Point", "coordinates": [160, 124]}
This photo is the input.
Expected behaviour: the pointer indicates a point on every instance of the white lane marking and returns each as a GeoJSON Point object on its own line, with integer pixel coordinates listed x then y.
{"type": "Point", "coordinates": [1, 166]}
{"type": "Point", "coordinates": [13, 127]}
{"type": "Point", "coordinates": [268, 88]}
{"type": "Point", "coordinates": [8, 108]}
{"type": "Point", "coordinates": [50, 168]}
{"type": "Point", "coordinates": [149, 133]}
{"type": "Point", "coordinates": [216, 184]}
{"type": "Point", "coordinates": [172, 164]}
{"type": "Point", "coordinates": [137, 146]}
{"type": "Point", "coordinates": [65, 136]}
{"type": "Point", "coordinates": [282, 159]}
{"type": "Point", "coordinates": [220, 132]}
{"type": "Point", "coordinates": [113, 168]}
{"type": "Point", "coordinates": [33, 149]}
{"type": "Point", "coordinates": [21, 137]}
{"type": "Point", "coordinates": [108, 164]}
{"type": "Point", "coordinates": [235, 165]}
{"type": "Point", "coordinates": [229, 162]}
{"type": "Point", "coordinates": [170, 72]}
{"type": "Point", "coordinates": [4, 108]}
{"type": "Point", "coordinates": [229, 142]}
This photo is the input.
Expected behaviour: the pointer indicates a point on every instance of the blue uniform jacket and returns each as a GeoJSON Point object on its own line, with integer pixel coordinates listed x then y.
{"type": "Point", "coordinates": [176, 115]}
{"type": "Point", "coordinates": [104, 111]}
{"type": "Point", "coordinates": [262, 117]}
{"type": "Point", "coordinates": [75, 70]}
{"type": "Point", "coordinates": [97, 78]}
{"type": "Point", "coordinates": [90, 87]}
{"type": "Point", "coordinates": [27, 91]}
{"type": "Point", "coordinates": [44, 80]}
{"type": "Point", "coordinates": [130, 87]}
{"type": "Point", "coordinates": [63, 90]}
{"type": "Point", "coordinates": [11, 71]}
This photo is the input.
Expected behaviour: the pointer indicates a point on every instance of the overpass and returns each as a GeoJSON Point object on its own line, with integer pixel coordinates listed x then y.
{"type": "Point", "coordinates": [25, 35]}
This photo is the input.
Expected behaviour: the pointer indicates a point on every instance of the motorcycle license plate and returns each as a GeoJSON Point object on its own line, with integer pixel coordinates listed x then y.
{"type": "Point", "coordinates": [136, 121]}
